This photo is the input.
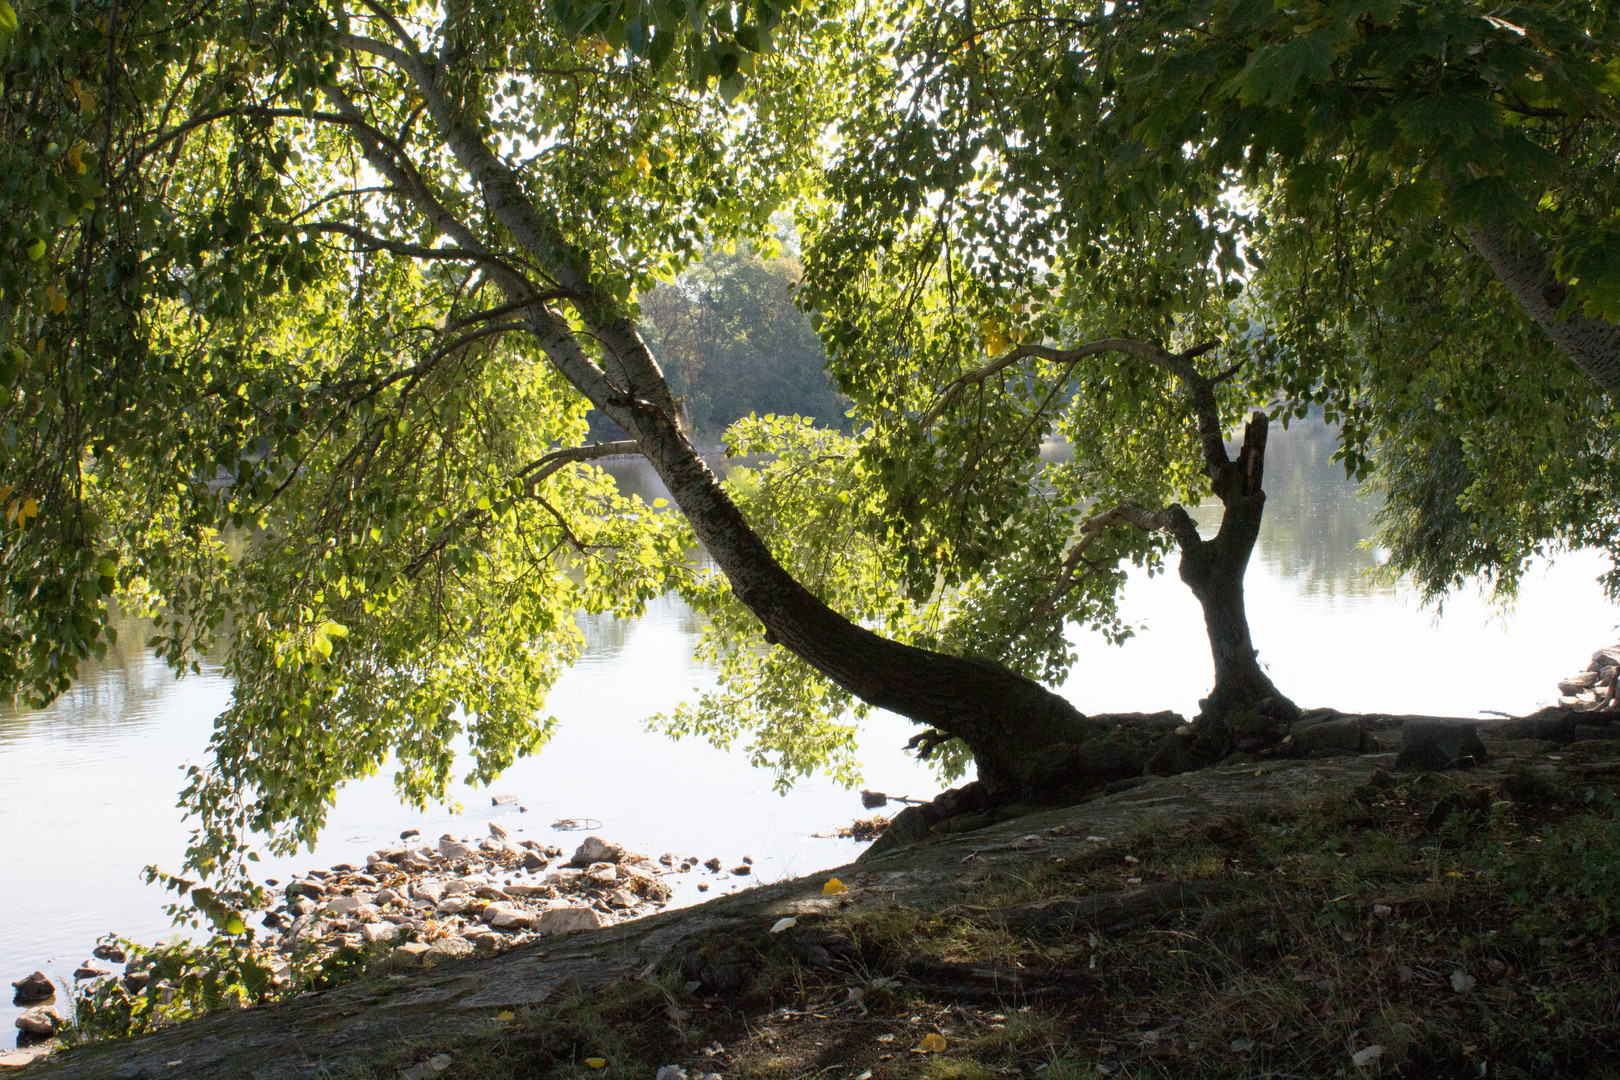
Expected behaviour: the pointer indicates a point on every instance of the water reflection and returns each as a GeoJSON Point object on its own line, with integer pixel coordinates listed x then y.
{"type": "Point", "coordinates": [1317, 520]}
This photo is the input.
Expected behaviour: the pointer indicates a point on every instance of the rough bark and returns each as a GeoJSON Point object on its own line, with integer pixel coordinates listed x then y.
{"type": "Point", "coordinates": [1594, 344]}
{"type": "Point", "coordinates": [1244, 708]}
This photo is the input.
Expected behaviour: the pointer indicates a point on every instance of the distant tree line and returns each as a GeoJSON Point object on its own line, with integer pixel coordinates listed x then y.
{"type": "Point", "coordinates": [732, 342]}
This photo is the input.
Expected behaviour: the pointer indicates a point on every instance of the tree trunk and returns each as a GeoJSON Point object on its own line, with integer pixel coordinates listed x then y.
{"type": "Point", "coordinates": [1245, 709]}
{"type": "Point", "coordinates": [1594, 344]}
{"type": "Point", "coordinates": [1008, 721]}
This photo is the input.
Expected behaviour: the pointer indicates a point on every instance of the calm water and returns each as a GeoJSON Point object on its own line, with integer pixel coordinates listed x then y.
{"type": "Point", "coordinates": [88, 786]}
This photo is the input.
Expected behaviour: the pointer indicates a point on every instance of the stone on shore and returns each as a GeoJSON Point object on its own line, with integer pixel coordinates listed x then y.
{"type": "Point", "coordinates": [412, 954]}
{"type": "Point", "coordinates": [447, 948]}
{"type": "Point", "coordinates": [497, 831]}
{"type": "Point", "coordinates": [1334, 735]}
{"type": "Point", "coordinates": [33, 990]}
{"type": "Point", "coordinates": [595, 850]}
{"type": "Point", "coordinates": [90, 971]}
{"type": "Point", "coordinates": [454, 849]}
{"type": "Point", "coordinates": [110, 953]}
{"type": "Point", "coordinates": [565, 920]}
{"type": "Point", "coordinates": [379, 931]}
{"type": "Point", "coordinates": [41, 1023]}
{"type": "Point", "coordinates": [312, 889]}
{"type": "Point", "coordinates": [507, 917]}
{"type": "Point", "coordinates": [1431, 745]}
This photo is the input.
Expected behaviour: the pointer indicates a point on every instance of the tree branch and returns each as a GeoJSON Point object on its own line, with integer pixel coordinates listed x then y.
{"type": "Point", "coordinates": [538, 470]}
{"type": "Point", "coordinates": [413, 251]}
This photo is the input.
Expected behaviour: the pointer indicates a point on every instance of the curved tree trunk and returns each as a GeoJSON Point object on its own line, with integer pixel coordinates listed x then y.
{"type": "Point", "coordinates": [1025, 739]}
{"type": "Point", "coordinates": [1008, 721]}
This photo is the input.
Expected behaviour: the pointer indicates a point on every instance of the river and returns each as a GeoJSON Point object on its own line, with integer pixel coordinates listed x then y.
{"type": "Point", "coordinates": [88, 785]}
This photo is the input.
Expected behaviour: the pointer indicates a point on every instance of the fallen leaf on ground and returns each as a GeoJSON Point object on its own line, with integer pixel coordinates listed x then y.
{"type": "Point", "coordinates": [783, 924]}
{"type": "Point", "coordinates": [1366, 1056]}
{"type": "Point", "coordinates": [932, 1043]}
{"type": "Point", "coordinates": [596, 1063]}
{"type": "Point", "coordinates": [834, 887]}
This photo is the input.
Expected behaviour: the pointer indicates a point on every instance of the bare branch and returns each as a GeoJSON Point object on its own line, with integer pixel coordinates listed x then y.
{"type": "Point", "coordinates": [538, 470]}
{"type": "Point", "coordinates": [414, 251]}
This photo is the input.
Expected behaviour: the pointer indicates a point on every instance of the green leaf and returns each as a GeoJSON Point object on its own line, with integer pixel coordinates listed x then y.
{"type": "Point", "coordinates": [1274, 71]}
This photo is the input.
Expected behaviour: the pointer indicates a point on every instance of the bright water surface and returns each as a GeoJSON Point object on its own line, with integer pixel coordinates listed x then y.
{"type": "Point", "coordinates": [88, 786]}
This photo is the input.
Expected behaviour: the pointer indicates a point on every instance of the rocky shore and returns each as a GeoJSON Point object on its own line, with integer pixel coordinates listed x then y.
{"type": "Point", "coordinates": [411, 906]}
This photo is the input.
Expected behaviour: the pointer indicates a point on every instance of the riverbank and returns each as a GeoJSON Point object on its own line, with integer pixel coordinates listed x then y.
{"type": "Point", "coordinates": [1316, 918]}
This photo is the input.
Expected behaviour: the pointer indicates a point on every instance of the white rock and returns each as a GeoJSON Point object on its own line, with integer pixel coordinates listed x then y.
{"type": "Point", "coordinates": [457, 905]}
{"type": "Point", "coordinates": [497, 831]}
{"type": "Point", "coordinates": [459, 885]}
{"type": "Point", "coordinates": [491, 892]}
{"type": "Point", "coordinates": [387, 896]}
{"type": "Point", "coordinates": [379, 931]}
{"type": "Point", "coordinates": [410, 954]}
{"type": "Point", "coordinates": [605, 874]}
{"type": "Point", "coordinates": [507, 917]}
{"type": "Point", "coordinates": [567, 919]}
{"type": "Point", "coordinates": [301, 906]}
{"type": "Point", "coordinates": [671, 1072]}
{"type": "Point", "coordinates": [452, 848]}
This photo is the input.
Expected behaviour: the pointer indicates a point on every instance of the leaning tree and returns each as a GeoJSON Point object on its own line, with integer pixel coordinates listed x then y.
{"type": "Point", "coordinates": [304, 308]}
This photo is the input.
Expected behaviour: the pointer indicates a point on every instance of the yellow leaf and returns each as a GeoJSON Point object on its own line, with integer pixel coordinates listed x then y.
{"type": "Point", "coordinates": [505, 1015]}
{"type": "Point", "coordinates": [30, 509]}
{"type": "Point", "coordinates": [596, 1063]}
{"type": "Point", "coordinates": [643, 166]}
{"type": "Point", "coordinates": [834, 887]}
{"type": "Point", "coordinates": [603, 49]}
{"type": "Point", "coordinates": [58, 301]}
{"type": "Point", "coordinates": [994, 340]}
{"type": "Point", "coordinates": [74, 157]}
{"type": "Point", "coordinates": [11, 511]}
{"type": "Point", "coordinates": [932, 1043]}
{"type": "Point", "coordinates": [87, 100]}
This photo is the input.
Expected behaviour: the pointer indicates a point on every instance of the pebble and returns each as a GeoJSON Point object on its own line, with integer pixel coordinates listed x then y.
{"type": "Point", "coordinates": [441, 896]}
